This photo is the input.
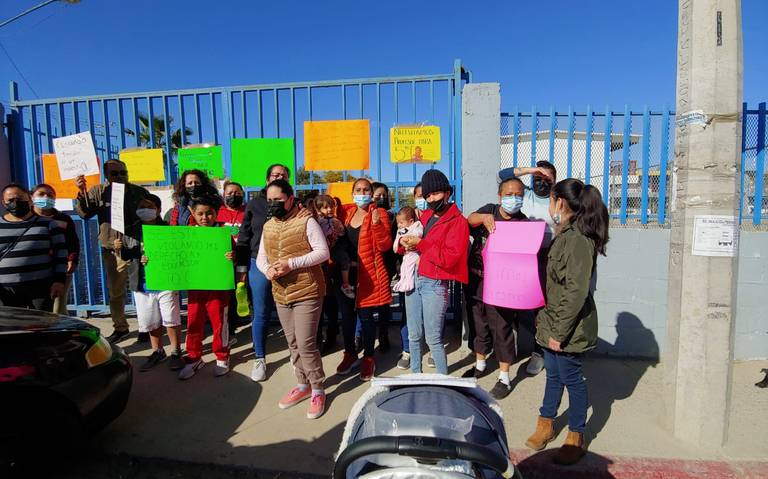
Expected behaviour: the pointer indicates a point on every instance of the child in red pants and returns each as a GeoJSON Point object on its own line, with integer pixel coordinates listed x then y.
{"type": "Point", "coordinates": [212, 305]}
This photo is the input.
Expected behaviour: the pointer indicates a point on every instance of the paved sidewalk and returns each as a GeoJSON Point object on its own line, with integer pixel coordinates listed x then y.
{"type": "Point", "coordinates": [234, 421]}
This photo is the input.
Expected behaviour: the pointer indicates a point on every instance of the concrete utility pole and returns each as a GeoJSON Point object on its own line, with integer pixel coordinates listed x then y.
{"type": "Point", "coordinates": [705, 181]}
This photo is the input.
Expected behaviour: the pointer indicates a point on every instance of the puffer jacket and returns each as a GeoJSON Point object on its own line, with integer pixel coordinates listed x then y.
{"type": "Point", "coordinates": [372, 277]}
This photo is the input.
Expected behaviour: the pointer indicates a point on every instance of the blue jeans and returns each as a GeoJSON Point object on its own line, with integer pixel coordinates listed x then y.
{"type": "Point", "coordinates": [263, 302]}
{"type": "Point", "coordinates": [564, 371]}
{"type": "Point", "coordinates": [426, 306]}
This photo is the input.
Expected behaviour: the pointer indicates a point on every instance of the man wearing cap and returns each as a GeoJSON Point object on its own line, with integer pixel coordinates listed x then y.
{"type": "Point", "coordinates": [536, 208]}
{"type": "Point", "coordinates": [443, 250]}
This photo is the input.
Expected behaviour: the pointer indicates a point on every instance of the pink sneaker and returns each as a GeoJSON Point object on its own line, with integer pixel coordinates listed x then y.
{"type": "Point", "coordinates": [316, 406]}
{"type": "Point", "coordinates": [294, 397]}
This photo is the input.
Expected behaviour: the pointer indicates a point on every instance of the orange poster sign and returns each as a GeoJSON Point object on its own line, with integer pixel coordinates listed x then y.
{"type": "Point", "coordinates": [64, 188]}
{"type": "Point", "coordinates": [336, 145]}
{"type": "Point", "coordinates": [341, 190]}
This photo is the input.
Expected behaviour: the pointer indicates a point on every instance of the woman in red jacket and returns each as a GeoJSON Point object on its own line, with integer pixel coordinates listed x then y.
{"type": "Point", "coordinates": [368, 230]}
{"type": "Point", "coordinates": [443, 251]}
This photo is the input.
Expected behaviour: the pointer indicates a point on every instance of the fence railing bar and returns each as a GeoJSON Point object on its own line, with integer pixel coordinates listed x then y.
{"type": "Point", "coordinates": [625, 163]}
{"type": "Point", "coordinates": [663, 166]}
{"type": "Point", "coordinates": [757, 213]}
{"type": "Point", "coordinates": [569, 147]}
{"type": "Point", "coordinates": [588, 153]}
{"type": "Point", "coordinates": [645, 166]}
{"type": "Point", "coordinates": [607, 156]}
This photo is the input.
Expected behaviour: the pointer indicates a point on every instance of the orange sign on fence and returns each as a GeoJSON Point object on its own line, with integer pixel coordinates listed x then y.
{"type": "Point", "coordinates": [64, 188]}
{"type": "Point", "coordinates": [336, 145]}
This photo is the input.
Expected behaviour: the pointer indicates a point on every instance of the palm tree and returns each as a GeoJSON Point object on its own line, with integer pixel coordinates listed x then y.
{"type": "Point", "coordinates": [158, 130]}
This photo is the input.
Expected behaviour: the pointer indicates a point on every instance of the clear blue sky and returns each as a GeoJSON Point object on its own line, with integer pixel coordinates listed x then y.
{"type": "Point", "coordinates": [556, 52]}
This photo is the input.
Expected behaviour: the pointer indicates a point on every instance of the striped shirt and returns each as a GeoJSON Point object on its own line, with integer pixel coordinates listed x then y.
{"type": "Point", "coordinates": [39, 255]}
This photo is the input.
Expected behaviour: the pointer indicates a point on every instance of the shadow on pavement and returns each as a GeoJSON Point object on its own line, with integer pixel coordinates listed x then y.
{"type": "Point", "coordinates": [541, 466]}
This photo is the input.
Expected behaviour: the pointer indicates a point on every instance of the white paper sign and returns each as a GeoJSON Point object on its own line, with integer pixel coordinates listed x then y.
{"type": "Point", "coordinates": [64, 204]}
{"type": "Point", "coordinates": [76, 155]}
{"type": "Point", "coordinates": [117, 220]}
{"type": "Point", "coordinates": [715, 235]}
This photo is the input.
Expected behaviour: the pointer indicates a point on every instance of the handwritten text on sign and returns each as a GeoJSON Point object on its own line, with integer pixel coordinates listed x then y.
{"type": "Point", "coordinates": [418, 144]}
{"type": "Point", "coordinates": [336, 145]}
{"type": "Point", "coordinates": [76, 155]}
{"type": "Point", "coordinates": [510, 267]}
{"type": "Point", "coordinates": [188, 258]}
{"type": "Point", "coordinates": [144, 165]}
{"type": "Point", "coordinates": [207, 159]}
{"type": "Point", "coordinates": [117, 207]}
{"type": "Point", "coordinates": [64, 188]}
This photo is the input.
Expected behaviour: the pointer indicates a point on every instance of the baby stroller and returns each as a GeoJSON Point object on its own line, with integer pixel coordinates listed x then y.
{"type": "Point", "coordinates": [424, 426]}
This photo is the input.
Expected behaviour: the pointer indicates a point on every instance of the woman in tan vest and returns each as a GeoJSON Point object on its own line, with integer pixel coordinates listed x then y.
{"type": "Point", "coordinates": [291, 250]}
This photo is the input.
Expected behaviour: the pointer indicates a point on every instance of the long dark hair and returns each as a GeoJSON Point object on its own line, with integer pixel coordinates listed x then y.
{"type": "Point", "coordinates": [180, 192]}
{"type": "Point", "coordinates": [590, 215]}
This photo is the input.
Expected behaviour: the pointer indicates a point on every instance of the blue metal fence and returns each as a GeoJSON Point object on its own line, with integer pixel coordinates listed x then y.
{"type": "Point", "coordinates": [173, 119]}
{"type": "Point", "coordinates": [624, 153]}
{"type": "Point", "coordinates": [754, 188]}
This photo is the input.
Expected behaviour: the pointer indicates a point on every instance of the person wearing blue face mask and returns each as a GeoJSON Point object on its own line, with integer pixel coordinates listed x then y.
{"type": "Point", "coordinates": [44, 203]}
{"type": "Point", "coordinates": [495, 327]}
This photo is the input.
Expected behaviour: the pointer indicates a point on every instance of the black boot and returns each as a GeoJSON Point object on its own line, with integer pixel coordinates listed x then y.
{"type": "Point", "coordinates": [764, 382]}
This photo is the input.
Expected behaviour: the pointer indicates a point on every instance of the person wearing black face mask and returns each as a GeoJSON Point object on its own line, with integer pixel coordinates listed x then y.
{"type": "Point", "coordinates": [536, 208]}
{"type": "Point", "coordinates": [192, 184]}
{"type": "Point", "coordinates": [231, 216]}
{"type": "Point", "coordinates": [96, 202]}
{"type": "Point", "coordinates": [33, 254]}
{"type": "Point", "coordinates": [381, 197]}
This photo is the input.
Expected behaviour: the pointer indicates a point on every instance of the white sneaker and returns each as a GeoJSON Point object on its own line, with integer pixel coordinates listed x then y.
{"type": "Point", "coordinates": [259, 371]}
{"type": "Point", "coordinates": [348, 290]}
{"type": "Point", "coordinates": [221, 368]}
{"type": "Point", "coordinates": [190, 369]}
{"type": "Point", "coordinates": [535, 365]}
{"type": "Point", "coordinates": [405, 361]}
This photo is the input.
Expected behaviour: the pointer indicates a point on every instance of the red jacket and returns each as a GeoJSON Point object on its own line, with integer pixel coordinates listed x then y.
{"type": "Point", "coordinates": [445, 248]}
{"type": "Point", "coordinates": [372, 277]}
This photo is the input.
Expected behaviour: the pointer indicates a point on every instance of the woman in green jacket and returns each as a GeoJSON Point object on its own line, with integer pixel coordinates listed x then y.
{"type": "Point", "coordinates": [567, 326]}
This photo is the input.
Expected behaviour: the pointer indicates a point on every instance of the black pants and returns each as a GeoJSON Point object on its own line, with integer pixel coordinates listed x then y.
{"type": "Point", "coordinates": [331, 315]}
{"type": "Point", "coordinates": [495, 329]}
{"type": "Point", "coordinates": [33, 295]}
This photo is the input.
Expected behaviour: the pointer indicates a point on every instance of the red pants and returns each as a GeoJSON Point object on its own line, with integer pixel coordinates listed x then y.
{"type": "Point", "coordinates": [213, 305]}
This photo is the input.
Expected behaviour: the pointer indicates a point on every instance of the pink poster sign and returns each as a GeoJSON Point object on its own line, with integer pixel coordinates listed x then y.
{"type": "Point", "coordinates": [510, 267]}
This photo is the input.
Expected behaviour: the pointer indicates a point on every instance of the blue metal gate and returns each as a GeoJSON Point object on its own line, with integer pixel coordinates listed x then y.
{"type": "Point", "coordinates": [173, 119]}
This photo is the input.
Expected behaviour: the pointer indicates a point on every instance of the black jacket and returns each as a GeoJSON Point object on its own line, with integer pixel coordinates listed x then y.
{"type": "Point", "coordinates": [250, 231]}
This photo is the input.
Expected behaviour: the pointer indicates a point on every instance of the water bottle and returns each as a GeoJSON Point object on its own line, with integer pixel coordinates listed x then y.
{"type": "Point", "coordinates": [241, 295]}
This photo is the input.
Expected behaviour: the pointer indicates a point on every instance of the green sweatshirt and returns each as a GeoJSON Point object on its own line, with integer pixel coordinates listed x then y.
{"type": "Point", "coordinates": [569, 316]}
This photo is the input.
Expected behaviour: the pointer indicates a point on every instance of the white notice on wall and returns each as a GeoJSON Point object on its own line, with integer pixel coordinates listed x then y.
{"type": "Point", "coordinates": [76, 155]}
{"type": "Point", "coordinates": [117, 220]}
{"type": "Point", "coordinates": [715, 235]}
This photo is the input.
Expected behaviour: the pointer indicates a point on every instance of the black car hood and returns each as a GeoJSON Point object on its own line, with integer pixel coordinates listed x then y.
{"type": "Point", "coordinates": [19, 321]}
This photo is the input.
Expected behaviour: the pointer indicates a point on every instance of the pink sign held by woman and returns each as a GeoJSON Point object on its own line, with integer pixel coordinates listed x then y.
{"type": "Point", "coordinates": [511, 271]}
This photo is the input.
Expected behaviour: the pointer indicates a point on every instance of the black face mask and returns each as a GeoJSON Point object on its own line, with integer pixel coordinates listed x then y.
{"type": "Point", "coordinates": [383, 203]}
{"type": "Point", "coordinates": [18, 208]}
{"type": "Point", "coordinates": [235, 201]}
{"type": "Point", "coordinates": [195, 191]}
{"type": "Point", "coordinates": [277, 209]}
{"type": "Point", "coordinates": [541, 187]}
{"type": "Point", "coordinates": [437, 206]}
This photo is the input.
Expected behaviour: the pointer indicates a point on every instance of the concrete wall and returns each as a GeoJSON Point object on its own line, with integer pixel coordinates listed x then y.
{"type": "Point", "coordinates": [480, 144]}
{"type": "Point", "coordinates": [631, 294]}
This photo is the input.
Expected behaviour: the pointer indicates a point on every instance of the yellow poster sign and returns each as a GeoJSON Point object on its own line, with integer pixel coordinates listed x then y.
{"type": "Point", "coordinates": [336, 145]}
{"type": "Point", "coordinates": [341, 190]}
{"type": "Point", "coordinates": [414, 144]}
{"type": "Point", "coordinates": [144, 165]}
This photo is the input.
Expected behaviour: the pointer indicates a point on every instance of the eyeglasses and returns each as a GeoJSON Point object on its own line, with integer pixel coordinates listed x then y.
{"type": "Point", "coordinates": [278, 175]}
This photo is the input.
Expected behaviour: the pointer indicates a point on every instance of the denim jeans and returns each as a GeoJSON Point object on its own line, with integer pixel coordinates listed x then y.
{"type": "Point", "coordinates": [426, 306]}
{"type": "Point", "coordinates": [263, 303]}
{"type": "Point", "coordinates": [564, 371]}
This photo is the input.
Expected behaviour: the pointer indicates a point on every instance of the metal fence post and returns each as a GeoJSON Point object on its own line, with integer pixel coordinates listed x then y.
{"type": "Point", "coordinates": [588, 153]}
{"type": "Point", "coordinates": [646, 170]}
{"type": "Point", "coordinates": [661, 215]}
{"type": "Point", "coordinates": [757, 214]}
{"type": "Point", "coordinates": [625, 163]}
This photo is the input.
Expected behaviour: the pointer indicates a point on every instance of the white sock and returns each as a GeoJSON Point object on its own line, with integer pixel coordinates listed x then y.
{"type": "Point", "coordinates": [480, 364]}
{"type": "Point", "coordinates": [318, 392]}
{"type": "Point", "coordinates": [302, 387]}
{"type": "Point", "coordinates": [504, 377]}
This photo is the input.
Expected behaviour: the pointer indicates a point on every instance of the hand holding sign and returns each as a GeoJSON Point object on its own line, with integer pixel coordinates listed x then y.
{"type": "Point", "coordinates": [76, 155]}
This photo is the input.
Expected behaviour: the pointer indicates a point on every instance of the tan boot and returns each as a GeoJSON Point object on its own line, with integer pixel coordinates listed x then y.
{"type": "Point", "coordinates": [572, 449]}
{"type": "Point", "coordinates": [545, 432]}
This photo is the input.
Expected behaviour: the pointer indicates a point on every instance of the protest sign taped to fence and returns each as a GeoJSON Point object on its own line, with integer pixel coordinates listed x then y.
{"type": "Point", "coordinates": [337, 145]}
{"type": "Point", "coordinates": [65, 189]}
{"type": "Point", "coordinates": [341, 190]}
{"type": "Point", "coordinates": [185, 258]}
{"type": "Point", "coordinates": [510, 266]}
{"type": "Point", "coordinates": [117, 207]}
{"type": "Point", "coordinates": [414, 144]}
{"type": "Point", "coordinates": [145, 165]}
{"type": "Point", "coordinates": [252, 156]}
{"type": "Point", "coordinates": [205, 158]}
{"type": "Point", "coordinates": [76, 155]}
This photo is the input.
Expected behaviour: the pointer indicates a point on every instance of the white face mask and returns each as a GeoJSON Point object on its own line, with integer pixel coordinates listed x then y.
{"type": "Point", "coordinates": [146, 214]}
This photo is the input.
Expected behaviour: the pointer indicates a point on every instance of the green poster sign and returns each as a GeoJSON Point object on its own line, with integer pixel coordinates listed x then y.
{"type": "Point", "coordinates": [252, 156]}
{"type": "Point", "coordinates": [182, 258]}
{"type": "Point", "coordinates": [207, 159]}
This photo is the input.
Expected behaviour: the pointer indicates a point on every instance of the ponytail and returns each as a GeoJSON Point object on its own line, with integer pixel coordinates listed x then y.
{"type": "Point", "coordinates": [590, 215]}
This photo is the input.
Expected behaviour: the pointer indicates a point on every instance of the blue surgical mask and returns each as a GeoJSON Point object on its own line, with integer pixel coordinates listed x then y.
{"type": "Point", "coordinates": [421, 204]}
{"type": "Point", "coordinates": [362, 200]}
{"type": "Point", "coordinates": [511, 204]}
{"type": "Point", "coordinates": [44, 203]}
{"type": "Point", "coordinates": [146, 214]}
